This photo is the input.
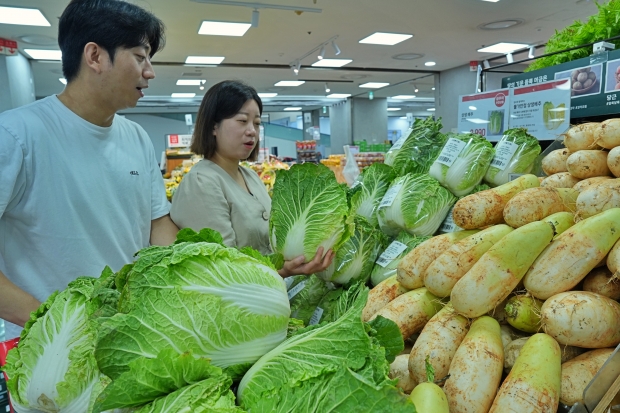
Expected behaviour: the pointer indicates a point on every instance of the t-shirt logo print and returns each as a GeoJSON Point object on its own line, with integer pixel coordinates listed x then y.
{"type": "Point", "coordinates": [134, 173]}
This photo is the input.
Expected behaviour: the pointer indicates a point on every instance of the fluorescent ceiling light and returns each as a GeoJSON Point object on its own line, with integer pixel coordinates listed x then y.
{"type": "Point", "coordinates": [338, 95]}
{"type": "Point", "coordinates": [502, 47]}
{"type": "Point", "coordinates": [291, 83]}
{"type": "Point", "coordinates": [374, 85]}
{"type": "Point", "coordinates": [204, 60]}
{"type": "Point", "coordinates": [331, 62]}
{"type": "Point", "coordinates": [267, 95]}
{"type": "Point", "coordinates": [190, 82]}
{"type": "Point", "coordinates": [63, 80]}
{"type": "Point", "coordinates": [211, 28]}
{"type": "Point", "coordinates": [293, 108]}
{"type": "Point", "coordinates": [430, 64]}
{"type": "Point", "coordinates": [393, 109]}
{"type": "Point", "coordinates": [23, 17]}
{"type": "Point", "coordinates": [431, 109]}
{"type": "Point", "coordinates": [389, 39]}
{"type": "Point", "coordinates": [39, 54]}
{"type": "Point", "coordinates": [403, 97]}
{"type": "Point", "coordinates": [183, 95]}
{"type": "Point", "coordinates": [491, 1]}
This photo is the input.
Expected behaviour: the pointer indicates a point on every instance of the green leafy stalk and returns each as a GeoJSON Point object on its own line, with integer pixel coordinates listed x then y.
{"type": "Point", "coordinates": [430, 370]}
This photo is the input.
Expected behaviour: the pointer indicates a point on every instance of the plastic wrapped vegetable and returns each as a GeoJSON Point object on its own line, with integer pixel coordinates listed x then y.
{"type": "Point", "coordinates": [515, 153]}
{"type": "Point", "coordinates": [368, 192]}
{"type": "Point", "coordinates": [305, 294]}
{"type": "Point", "coordinates": [355, 259]}
{"type": "Point", "coordinates": [463, 162]}
{"type": "Point", "coordinates": [389, 259]}
{"type": "Point", "coordinates": [417, 150]}
{"type": "Point", "coordinates": [416, 203]}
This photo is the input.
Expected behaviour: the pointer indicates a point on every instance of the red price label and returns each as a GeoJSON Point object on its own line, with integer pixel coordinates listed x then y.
{"type": "Point", "coordinates": [174, 138]}
{"type": "Point", "coordinates": [481, 132]}
{"type": "Point", "coordinates": [500, 99]}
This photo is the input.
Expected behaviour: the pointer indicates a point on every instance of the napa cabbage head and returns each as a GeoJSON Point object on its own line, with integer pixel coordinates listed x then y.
{"type": "Point", "coordinates": [216, 302]}
{"type": "Point", "coordinates": [367, 193]}
{"type": "Point", "coordinates": [468, 168]}
{"type": "Point", "coordinates": [309, 210]}
{"type": "Point", "coordinates": [515, 153]}
{"type": "Point", "coordinates": [421, 148]}
{"type": "Point", "coordinates": [388, 261]}
{"type": "Point", "coordinates": [415, 203]}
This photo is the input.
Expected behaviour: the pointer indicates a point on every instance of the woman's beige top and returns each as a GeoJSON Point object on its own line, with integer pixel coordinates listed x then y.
{"type": "Point", "coordinates": [210, 198]}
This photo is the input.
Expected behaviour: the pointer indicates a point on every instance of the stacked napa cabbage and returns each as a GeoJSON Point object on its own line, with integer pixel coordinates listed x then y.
{"type": "Point", "coordinates": [515, 153]}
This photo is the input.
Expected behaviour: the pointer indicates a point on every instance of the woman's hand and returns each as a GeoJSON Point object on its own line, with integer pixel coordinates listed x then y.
{"type": "Point", "coordinates": [298, 266]}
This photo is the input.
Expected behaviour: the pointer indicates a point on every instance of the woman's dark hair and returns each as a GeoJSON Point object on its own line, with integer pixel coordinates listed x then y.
{"type": "Point", "coordinates": [110, 24]}
{"type": "Point", "coordinates": [222, 101]}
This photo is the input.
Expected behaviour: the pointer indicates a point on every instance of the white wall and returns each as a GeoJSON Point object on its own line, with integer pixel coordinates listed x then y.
{"type": "Point", "coordinates": [285, 147]}
{"type": "Point", "coordinates": [157, 128]}
{"type": "Point", "coordinates": [340, 126]}
{"type": "Point", "coordinates": [16, 83]}
{"type": "Point", "coordinates": [369, 119]}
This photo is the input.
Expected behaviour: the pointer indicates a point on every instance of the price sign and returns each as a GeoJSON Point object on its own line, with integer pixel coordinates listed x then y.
{"type": "Point", "coordinates": [485, 113]}
{"type": "Point", "coordinates": [316, 316]}
{"type": "Point", "coordinates": [178, 141]}
{"type": "Point", "coordinates": [448, 224]}
{"type": "Point", "coordinates": [391, 253]}
{"type": "Point", "coordinates": [296, 289]}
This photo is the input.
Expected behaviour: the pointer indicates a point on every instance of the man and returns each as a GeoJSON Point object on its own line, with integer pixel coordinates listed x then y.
{"type": "Point", "coordinates": [80, 186]}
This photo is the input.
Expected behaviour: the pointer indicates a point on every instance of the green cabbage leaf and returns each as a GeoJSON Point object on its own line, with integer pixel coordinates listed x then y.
{"type": "Point", "coordinates": [419, 149]}
{"type": "Point", "coordinates": [367, 193]}
{"type": "Point", "coordinates": [515, 153]}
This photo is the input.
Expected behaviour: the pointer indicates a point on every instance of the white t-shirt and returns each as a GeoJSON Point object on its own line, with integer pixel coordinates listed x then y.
{"type": "Point", "coordinates": [74, 197]}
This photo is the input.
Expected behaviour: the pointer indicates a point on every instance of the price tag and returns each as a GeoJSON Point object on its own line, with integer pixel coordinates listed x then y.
{"type": "Point", "coordinates": [391, 253]}
{"type": "Point", "coordinates": [448, 224]}
{"type": "Point", "coordinates": [289, 281]}
{"type": "Point", "coordinates": [451, 151]}
{"type": "Point", "coordinates": [512, 177]}
{"type": "Point", "coordinates": [503, 154]}
{"type": "Point", "coordinates": [296, 289]}
{"type": "Point", "coordinates": [399, 143]}
{"type": "Point", "coordinates": [316, 316]}
{"type": "Point", "coordinates": [390, 196]}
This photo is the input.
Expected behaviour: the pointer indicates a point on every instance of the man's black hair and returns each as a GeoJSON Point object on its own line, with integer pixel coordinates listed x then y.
{"type": "Point", "coordinates": [110, 24]}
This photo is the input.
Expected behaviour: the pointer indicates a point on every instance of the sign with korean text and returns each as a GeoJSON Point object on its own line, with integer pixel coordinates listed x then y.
{"type": "Point", "coordinates": [485, 113]}
{"type": "Point", "coordinates": [178, 141]}
{"type": "Point", "coordinates": [543, 108]}
{"type": "Point", "coordinates": [8, 47]}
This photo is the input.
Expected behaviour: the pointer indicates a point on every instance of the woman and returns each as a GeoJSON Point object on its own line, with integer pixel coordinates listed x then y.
{"type": "Point", "coordinates": [220, 194]}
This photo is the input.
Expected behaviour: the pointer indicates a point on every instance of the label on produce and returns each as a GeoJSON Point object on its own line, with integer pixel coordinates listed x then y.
{"type": "Point", "coordinates": [391, 253]}
{"type": "Point", "coordinates": [390, 196]}
{"type": "Point", "coordinates": [316, 316]}
{"type": "Point", "coordinates": [399, 143]}
{"type": "Point", "coordinates": [448, 224]}
{"type": "Point", "coordinates": [451, 151]}
{"type": "Point", "coordinates": [503, 154]}
{"type": "Point", "coordinates": [296, 289]}
{"type": "Point", "coordinates": [289, 281]}
{"type": "Point", "coordinates": [512, 177]}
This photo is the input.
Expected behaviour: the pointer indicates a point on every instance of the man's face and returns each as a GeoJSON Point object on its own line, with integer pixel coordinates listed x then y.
{"type": "Point", "coordinates": [123, 81]}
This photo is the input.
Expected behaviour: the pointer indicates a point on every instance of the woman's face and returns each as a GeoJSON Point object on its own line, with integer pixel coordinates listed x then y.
{"type": "Point", "coordinates": [236, 137]}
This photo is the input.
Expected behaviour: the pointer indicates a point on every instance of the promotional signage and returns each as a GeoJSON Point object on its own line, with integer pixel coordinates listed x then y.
{"type": "Point", "coordinates": [485, 113]}
{"type": "Point", "coordinates": [594, 83]}
{"type": "Point", "coordinates": [543, 109]}
{"type": "Point", "coordinates": [178, 141]}
{"type": "Point", "coordinates": [8, 47]}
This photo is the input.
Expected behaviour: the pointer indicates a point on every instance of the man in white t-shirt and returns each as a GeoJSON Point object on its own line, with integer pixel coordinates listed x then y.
{"type": "Point", "coordinates": [80, 187]}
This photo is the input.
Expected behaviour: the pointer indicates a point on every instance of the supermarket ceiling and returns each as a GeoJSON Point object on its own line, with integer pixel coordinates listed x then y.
{"type": "Point", "coordinates": [447, 32]}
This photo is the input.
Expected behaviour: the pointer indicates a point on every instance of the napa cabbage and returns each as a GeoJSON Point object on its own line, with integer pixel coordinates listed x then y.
{"type": "Point", "coordinates": [388, 261]}
{"type": "Point", "coordinates": [463, 162]}
{"type": "Point", "coordinates": [309, 210]}
{"type": "Point", "coordinates": [368, 191]}
{"type": "Point", "coordinates": [415, 203]}
{"type": "Point", "coordinates": [417, 151]}
{"type": "Point", "coordinates": [515, 153]}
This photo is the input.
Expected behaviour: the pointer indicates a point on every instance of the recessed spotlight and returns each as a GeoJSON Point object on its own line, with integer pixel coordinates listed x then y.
{"type": "Point", "coordinates": [374, 85]}
{"type": "Point", "coordinates": [388, 39]}
{"type": "Point", "coordinates": [183, 95]}
{"type": "Point", "coordinates": [212, 28]}
{"type": "Point", "coordinates": [331, 62]}
{"type": "Point", "coordinates": [39, 54]}
{"type": "Point", "coordinates": [502, 47]}
{"type": "Point", "coordinates": [338, 96]}
{"type": "Point", "coordinates": [432, 88]}
{"type": "Point", "coordinates": [63, 80]}
{"type": "Point", "coordinates": [430, 64]}
{"type": "Point", "coordinates": [204, 60]}
{"type": "Point", "coordinates": [431, 109]}
{"type": "Point", "coordinates": [393, 109]}
{"type": "Point", "coordinates": [22, 17]}
{"type": "Point", "coordinates": [403, 97]}
{"type": "Point", "coordinates": [267, 95]}
{"type": "Point", "coordinates": [291, 83]}
{"type": "Point", "coordinates": [501, 24]}
{"type": "Point", "coordinates": [296, 108]}
{"type": "Point", "coordinates": [407, 56]}
{"type": "Point", "coordinates": [190, 82]}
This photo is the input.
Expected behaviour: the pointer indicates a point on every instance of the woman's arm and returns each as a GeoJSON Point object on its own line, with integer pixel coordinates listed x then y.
{"type": "Point", "coordinates": [298, 266]}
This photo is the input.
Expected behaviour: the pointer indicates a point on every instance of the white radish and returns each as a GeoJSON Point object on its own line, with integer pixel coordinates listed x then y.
{"type": "Point", "coordinates": [581, 137]}
{"type": "Point", "coordinates": [602, 281]}
{"type": "Point", "coordinates": [613, 161]}
{"type": "Point", "coordinates": [607, 133]}
{"type": "Point", "coordinates": [588, 164]}
{"type": "Point", "coordinates": [399, 370]}
{"type": "Point", "coordinates": [587, 183]}
{"type": "Point", "coordinates": [560, 180]}
{"type": "Point", "coordinates": [598, 198]}
{"type": "Point", "coordinates": [555, 161]}
{"type": "Point", "coordinates": [384, 292]}
{"type": "Point", "coordinates": [579, 372]}
{"type": "Point", "coordinates": [535, 204]}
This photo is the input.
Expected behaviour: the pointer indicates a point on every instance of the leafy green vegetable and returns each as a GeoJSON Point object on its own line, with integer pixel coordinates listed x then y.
{"type": "Point", "coordinates": [468, 168]}
{"type": "Point", "coordinates": [309, 210]}
{"type": "Point", "coordinates": [216, 302]}
{"type": "Point", "coordinates": [419, 148]}
{"type": "Point", "coordinates": [525, 149]}
{"type": "Point", "coordinates": [389, 336]}
{"type": "Point", "coordinates": [306, 295]}
{"type": "Point", "coordinates": [337, 302]}
{"type": "Point", "coordinates": [355, 259]}
{"type": "Point", "coordinates": [430, 370]}
{"type": "Point", "coordinates": [385, 268]}
{"type": "Point", "coordinates": [335, 367]}
{"type": "Point", "coordinates": [418, 205]}
{"type": "Point", "coordinates": [53, 367]}
{"type": "Point", "coordinates": [368, 192]}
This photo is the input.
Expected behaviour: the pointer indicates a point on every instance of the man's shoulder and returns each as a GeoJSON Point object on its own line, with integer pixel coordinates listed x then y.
{"type": "Point", "coordinates": [31, 110]}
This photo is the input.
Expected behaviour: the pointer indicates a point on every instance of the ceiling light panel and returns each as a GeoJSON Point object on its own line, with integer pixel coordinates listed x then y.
{"type": "Point", "coordinates": [204, 60]}
{"type": "Point", "coordinates": [502, 47]}
{"type": "Point", "coordinates": [211, 28]}
{"type": "Point", "coordinates": [388, 39]}
{"type": "Point", "coordinates": [290, 83]}
{"type": "Point", "coordinates": [267, 95]}
{"type": "Point", "coordinates": [190, 82]}
{"type": "Point", "coordinates": [293, 109]}
{"type": "Point", "coordinates": [393, 109]}
{"type": "Point", "coordinates": [374, 85]}
{"type": "Point", "coordinates": [430, 64]}
{"type": "Point", "coordinates": [39, 54]}
{"type": "Point", "coordinates": [338, 96]}
{"type": "Point", "coordinates": [22, 17]}
{"type": "Point", "coordinates": [403, 97]}
{"type": "Point", "coordinates": [183, 95]}
{"type": "Point", "coordinates": [331, 62]}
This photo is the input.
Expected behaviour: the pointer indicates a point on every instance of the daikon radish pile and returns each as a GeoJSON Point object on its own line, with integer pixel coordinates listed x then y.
{"type": "Point", "coordinates": [533, 385]}
{"type": "Point", "coordinates": [581, 137]}
{"type": "Point", "coordinates": [613, 161]}
{"type": "Point", "coordinates": [555, 162]}
{"type": "Point", "coordinates": [487, 207]}
{"type": "Point", "coordinates": [476, 369]}
{"type": "Point", "coordinates": [537, 203]}
{"type": "Point", "coordinates": [601, 281]}
{"type": "Point", "coordinates": [582, 319]}
{"type": "Point", "coordinates": [598, 198]}
{"type": "Point", "coordinates": [579, 372]}
{"type": "Point", "coordinates": [587, 183]}
{"type": "Point", "coordinates": [560, 180]}
{"type": "Point", "coordinates": [607, 133]}
{"type": "Point", "coordinates": [588, 164]}
{"type": "Point", "coordinates": [380, 296]}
